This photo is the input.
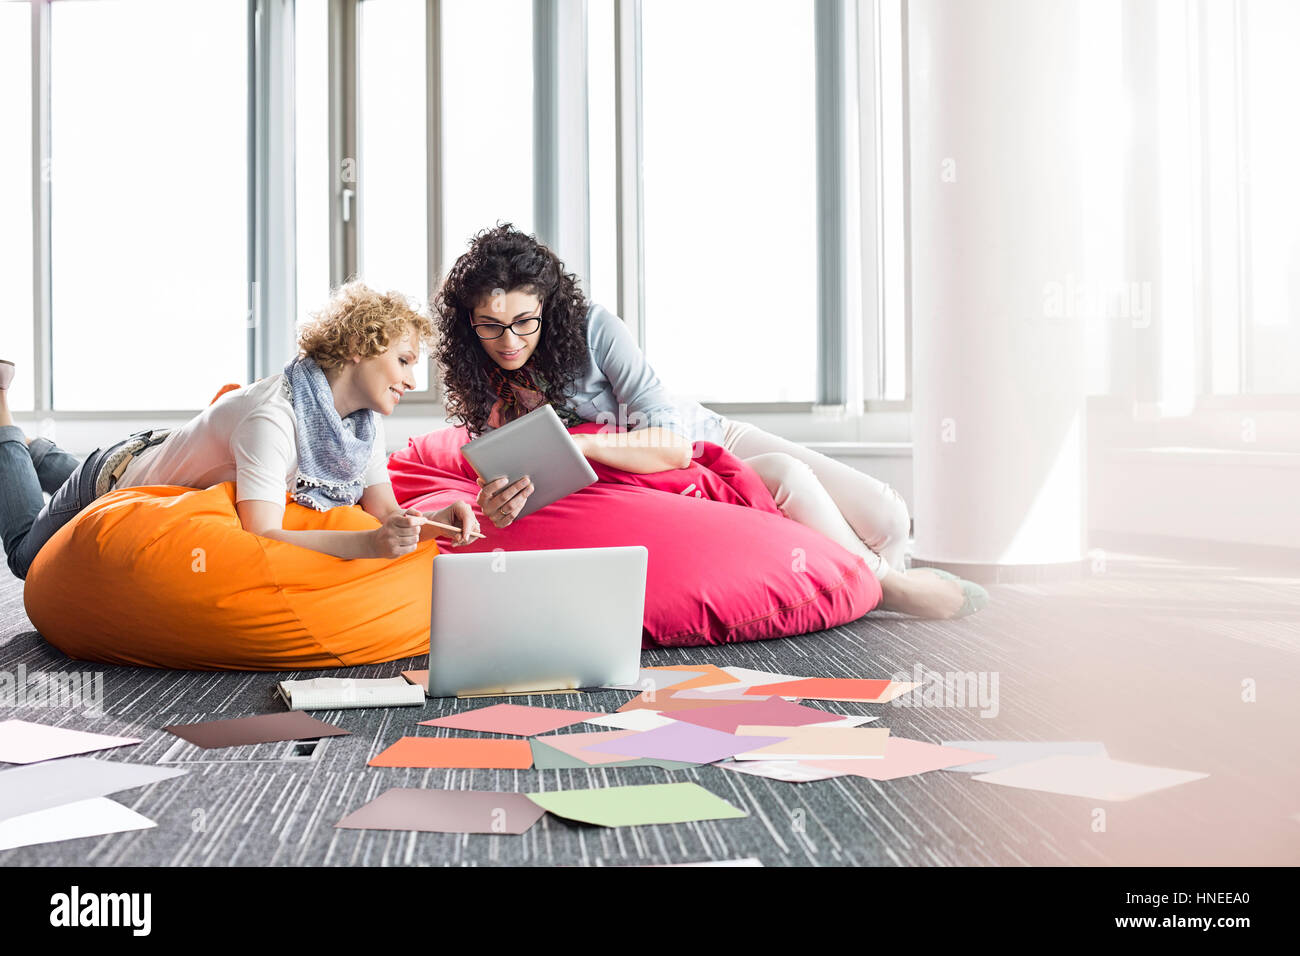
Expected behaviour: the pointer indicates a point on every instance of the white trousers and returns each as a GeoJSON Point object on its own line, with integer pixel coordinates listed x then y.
{"type": "Point", "coordinates": [860, 513]}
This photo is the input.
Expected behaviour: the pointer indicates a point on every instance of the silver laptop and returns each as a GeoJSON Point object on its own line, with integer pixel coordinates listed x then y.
{"type": "Point", "coordinates": [511, 621]}
{"type": "Point", "coordinates": [537, 445]}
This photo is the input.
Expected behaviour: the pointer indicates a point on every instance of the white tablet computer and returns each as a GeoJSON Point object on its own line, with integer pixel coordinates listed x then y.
{"type": "Point", "coordinates": [537, 445]}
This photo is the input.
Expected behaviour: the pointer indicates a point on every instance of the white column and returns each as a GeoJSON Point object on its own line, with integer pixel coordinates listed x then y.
{"type": "Point", "coordinates": [998, 284]}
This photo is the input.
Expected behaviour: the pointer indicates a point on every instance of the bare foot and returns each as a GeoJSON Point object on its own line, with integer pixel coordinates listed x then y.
{"type": "Point", "coordinates": [921, 593]}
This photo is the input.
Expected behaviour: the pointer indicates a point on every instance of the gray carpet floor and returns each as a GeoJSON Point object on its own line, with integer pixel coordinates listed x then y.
{"type": "Point", "coordinates": [1171, 664]}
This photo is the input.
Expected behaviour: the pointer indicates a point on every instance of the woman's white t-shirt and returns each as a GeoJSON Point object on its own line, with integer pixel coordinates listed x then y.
{"type": "Point", "coordinates": [248, 436]}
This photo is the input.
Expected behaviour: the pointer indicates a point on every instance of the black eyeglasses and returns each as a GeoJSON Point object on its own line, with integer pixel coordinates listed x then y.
{"type": "Point", "coordinates": [494, 330]}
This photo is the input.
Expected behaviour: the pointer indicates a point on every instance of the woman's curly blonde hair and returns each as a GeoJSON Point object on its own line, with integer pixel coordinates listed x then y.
{"type": "Point", "coordinates": [360, 321]}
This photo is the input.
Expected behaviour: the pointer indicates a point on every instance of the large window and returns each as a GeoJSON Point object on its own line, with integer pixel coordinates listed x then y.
{"type": "Point", "coordinates": [16, 197]}
{"type": "Point", "coordinates": [885, 329]}
{"type": "Point", "coordinates": [487, 127]}
{"type": "Point", "coordinates": [313, 183]}
{"type": "Point", "coordinates": [730, 201]}
{"type": "Point", "coordinates": [1271, 220]}
{"type": "Point", "coordinates": [148, 178]}
{"type": "Point", "coordinates": [602, 284]}
{"type": "Point", "coordinates": [393, 169]}
{"type": "Point", "coordinates": [1236, 153]}
{"type": "Point", "coordinates": [152, 202]}
{"type": "Point", "coordinates": [393, 172]}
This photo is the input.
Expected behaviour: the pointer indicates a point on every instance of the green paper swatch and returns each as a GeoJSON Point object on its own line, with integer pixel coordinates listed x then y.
{"type": "Point", "coordinates": [546, 757]}
{"type": "Point", "coordinates": [635, 806]}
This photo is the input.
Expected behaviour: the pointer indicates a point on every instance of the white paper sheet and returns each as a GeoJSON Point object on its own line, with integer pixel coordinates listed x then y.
{"type": "Point", "coordinates": [70, 821]}
{"type": "Point", "coordinates": [790, 771]}
{"type": "Point", "coordinates": [1098, 778]}
{"type": "Point", "coordinates": [22, 741]}
{"type": "Point", "coordinates": [39, 786]}
{"type": "Point", "coordinates": [1011, 752]}
{"type": "Point", "coordinates": [632, 720]}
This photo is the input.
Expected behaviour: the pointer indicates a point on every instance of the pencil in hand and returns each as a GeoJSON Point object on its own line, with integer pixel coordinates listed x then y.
{"type": "Point", "coordinates": [473, 535]}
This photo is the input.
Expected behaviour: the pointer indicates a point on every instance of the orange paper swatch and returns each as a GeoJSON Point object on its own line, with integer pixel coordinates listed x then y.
{"type": "Point", "coordinates": [477, 753]}
{"type": "Point", "coordinates": [712, 676]}
{"type": "Point", "coordinates": [828, 688]}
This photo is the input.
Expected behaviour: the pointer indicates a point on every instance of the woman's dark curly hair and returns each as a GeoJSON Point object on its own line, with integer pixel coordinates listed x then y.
{"type": "Point", "coordinates": [505, 258]}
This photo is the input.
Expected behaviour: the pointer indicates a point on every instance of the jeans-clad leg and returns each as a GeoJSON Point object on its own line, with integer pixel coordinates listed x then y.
{"type": "Point", "coordinates": [20, 490]}
{"type": "Point", "coordinates": [26, 521]}
{"type": "Point", "coordinates": [53, 465]}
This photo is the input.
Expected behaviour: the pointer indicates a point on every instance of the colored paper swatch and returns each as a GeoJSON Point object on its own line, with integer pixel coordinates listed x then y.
{"type": "Point", "coordinates": [745, 677]}
{"type": "Point", "coordinates": [772, 711]}
{"type": "Point", "coordinates": [1097, 778]}
{"type": "Point", "coordinates": [665, 702]}
{"type": "Point", "coordinates": [791, 771]}
{"type": "Point", "coordinates": [819, 743]}
{"type": "Point", "coordinates": [711, 676]}
{"type": "Point", "coordinates": [654, 678]}
{"type": "Point", "coordinates": [750, 677]}
{"type": "Point", "coordinates": [681, 741]}
{"type": "Point", "coordinates": [518, 719]}
{"type": "Point", "coordinates": [573, 744]}
{"type": "Point", "coordinates": [475, 753]}
{"type": "Point", "coordinates": [95, 817]}
{"type": "Point", "coordinates": [638, 806]}
{"type": "Point", "coordinates": [1008, 753]}
{"type": "Point", "coordinates": [445, 811]}
{"type": "Point", "coordinates": [834, 688]}
{"type": "Point", "coordinates": [718, 694]}
{"type": "Point", "coordinates": [903, 758]}
{"type": "Point", "coordinates": [263, 729]}
{"type": "Point", "coordinates": [38, 786]}
{"type": "Point", "coordinates": [548, 758]}
{"type": "Point", "coordinates": [631, 720]}
{"type": "Point", "coordinates": [24, 742]}
{"type": "Point", "coordinates": [847, 720]}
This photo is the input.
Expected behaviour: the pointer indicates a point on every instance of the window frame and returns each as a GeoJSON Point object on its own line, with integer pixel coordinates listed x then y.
{"type": "Point", "coordinates": [846, 124]}
{"type": "Point", "coordinates": [42, 378]}
{"type": "Point", "coordinates": [850, 323]}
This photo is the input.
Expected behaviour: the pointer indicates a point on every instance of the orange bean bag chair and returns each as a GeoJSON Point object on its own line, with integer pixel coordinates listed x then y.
{"type": "Point", "coordinates": [167, 577]}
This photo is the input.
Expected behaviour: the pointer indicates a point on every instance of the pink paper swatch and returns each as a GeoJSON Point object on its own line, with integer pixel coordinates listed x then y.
{"type": "Point", "coordinates": [773, 712]}
{"type": "Point", "coordinates": [903, 758]}
{"type": "Point", "coordinates": [517, 719]}
{"type": "Point", "coordinates": [679, 741]}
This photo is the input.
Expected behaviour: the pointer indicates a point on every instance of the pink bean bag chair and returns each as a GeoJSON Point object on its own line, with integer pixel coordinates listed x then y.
{"type": "Point", "coordinates": [725, 564]}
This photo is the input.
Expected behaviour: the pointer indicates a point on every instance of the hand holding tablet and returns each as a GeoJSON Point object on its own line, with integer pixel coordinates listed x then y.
{"type": "Point", "coordinates": [525, 465]}
{"type": "Point", "coordinates": [501, 500]}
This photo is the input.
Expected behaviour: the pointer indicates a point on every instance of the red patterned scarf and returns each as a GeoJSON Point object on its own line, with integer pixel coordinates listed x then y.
{"type": "Point", "coordinates": [520, 392]}
{"type": "Point", "coordinates": [508, 383]}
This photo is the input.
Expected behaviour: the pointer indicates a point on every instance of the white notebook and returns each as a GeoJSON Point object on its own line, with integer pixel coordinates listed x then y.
{"type": "Point", "coordinates": [338, 693]}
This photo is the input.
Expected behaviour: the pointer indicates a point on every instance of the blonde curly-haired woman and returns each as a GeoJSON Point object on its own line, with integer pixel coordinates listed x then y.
{"type": "Point", "coordinates": [312, 430]}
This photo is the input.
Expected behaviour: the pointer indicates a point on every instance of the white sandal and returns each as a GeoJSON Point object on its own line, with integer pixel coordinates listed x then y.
{"type": "Point", "coordinates": [7, 370]}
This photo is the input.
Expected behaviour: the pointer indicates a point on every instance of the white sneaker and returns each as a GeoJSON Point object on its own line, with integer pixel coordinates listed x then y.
{"type": "Point", "coordinates": [7, 370]}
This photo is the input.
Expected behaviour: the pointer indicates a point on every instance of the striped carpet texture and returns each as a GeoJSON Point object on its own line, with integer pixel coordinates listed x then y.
{"type": "Point", "coordinates": [1169, 664]}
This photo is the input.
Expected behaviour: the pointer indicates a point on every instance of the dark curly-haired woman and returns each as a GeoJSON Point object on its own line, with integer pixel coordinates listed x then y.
{"type": "Point", "coordinates": [516, 332]}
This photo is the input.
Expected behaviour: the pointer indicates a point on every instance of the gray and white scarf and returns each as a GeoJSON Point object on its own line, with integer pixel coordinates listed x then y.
{"type": "Point", "coordinates": [332, 451]}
